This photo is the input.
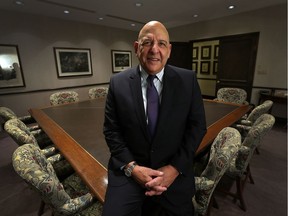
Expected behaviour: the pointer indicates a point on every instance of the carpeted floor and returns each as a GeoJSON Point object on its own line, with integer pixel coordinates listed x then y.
{"type": "Point", "coordinates": [267, 197]}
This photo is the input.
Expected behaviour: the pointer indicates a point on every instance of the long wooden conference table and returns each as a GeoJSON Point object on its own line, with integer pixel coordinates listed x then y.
{"type": "Point", "coordinates": [77, 131]}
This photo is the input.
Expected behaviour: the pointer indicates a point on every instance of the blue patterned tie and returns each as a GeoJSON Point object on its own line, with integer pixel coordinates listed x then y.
{"type": "Point", "coordinates": [152, 104]}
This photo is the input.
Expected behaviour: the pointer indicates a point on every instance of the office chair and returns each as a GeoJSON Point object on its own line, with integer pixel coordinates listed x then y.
{"type": "Point", "coordinates": [239, 169]}
{"type": "Point", "coordinates": [69, 197]}
{"type": "Point", "coordinates": [21, 135]}
{"type": "Point", "coordinates": [64, 97]}
{"type": "Point", "coordinates": [98, 92]}
{"type": "Point", "coordinates": [7, 114]}
{"type": "Point", "coordinates": [232, 95]}
{"type": "Point", "coordinates": [223, 150]}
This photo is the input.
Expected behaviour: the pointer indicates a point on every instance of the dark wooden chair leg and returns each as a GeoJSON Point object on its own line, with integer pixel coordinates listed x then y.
{"type": "Point", "coordinates": [257, 151]}
{"type": "Point", "coordinates": [240, 194]}
{"type": "Point", "coordinates": [41, 208]}
{"type": "Point", "coordinates": [250, 175]}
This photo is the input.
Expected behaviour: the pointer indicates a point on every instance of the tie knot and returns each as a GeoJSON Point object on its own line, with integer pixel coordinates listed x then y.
{"type": "Point", "coordinates": [150, 79]}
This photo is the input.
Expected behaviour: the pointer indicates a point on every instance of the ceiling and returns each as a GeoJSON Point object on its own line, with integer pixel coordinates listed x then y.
{"type": "Point", "coordinates": [122, 13]}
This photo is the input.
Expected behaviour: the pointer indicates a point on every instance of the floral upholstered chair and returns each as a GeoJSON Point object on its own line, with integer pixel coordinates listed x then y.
{"type": "Point", "coordinates": [223, 150]}
{"type": "Point", "coordinates": [64, 97]}
{"type": "Point", "coordinates": [232, 95]}
{"type": "Point", "coordinates": [7, 114]}
{"type": "Point", "coordinates": [21, 135]}
{"type": "Point", "coordinates": [239, 169]}
{"type": "Point", "coordinates": [254, 115]}
{"type": "Point", "coordinates": [98, 92]}
{"type": "Point", "coordinates": [69, 197]}
{"type": "Point", "coordinates": [245, 123]}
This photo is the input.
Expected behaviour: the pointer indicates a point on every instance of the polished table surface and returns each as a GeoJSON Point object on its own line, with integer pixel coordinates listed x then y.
{"type": "Point", "coordinates": [77, 131]}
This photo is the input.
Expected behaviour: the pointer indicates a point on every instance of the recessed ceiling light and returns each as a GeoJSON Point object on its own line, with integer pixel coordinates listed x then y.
{"type": "Point", "coordinates": [101, 18]}
{"type": "Point", "coordinates": [19, 2]}
{"type": "Point", "coordinates": [195, 15]}
{"type": "Point", "coordinates": [66, 11]}
{"type": "Point", "coordinates": [231, 7]}
{"type": "Point", "coordinates": [138, 4]}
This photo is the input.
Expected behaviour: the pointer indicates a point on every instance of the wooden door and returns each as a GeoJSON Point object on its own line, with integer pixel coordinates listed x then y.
{"type": "Point", "coordinates": [236, 62]}
{"type": "Point", "coordinates": [181, 55]}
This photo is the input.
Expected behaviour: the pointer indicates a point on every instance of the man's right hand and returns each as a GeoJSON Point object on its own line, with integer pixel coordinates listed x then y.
{"type": "Point", "coordinates": [142, 175]}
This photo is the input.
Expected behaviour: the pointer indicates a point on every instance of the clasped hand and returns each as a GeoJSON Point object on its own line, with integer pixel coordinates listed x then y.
{"type": "Point", "coordinates": [155, 181]}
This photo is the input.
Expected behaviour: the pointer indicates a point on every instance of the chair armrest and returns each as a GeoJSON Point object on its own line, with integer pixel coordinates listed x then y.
{"type": "Point", "coordinates": [55, 158]}
{"type": "Point", "coordinates": [203, 183]}
{"type": "Point", "coordinates": [76, 205]}
{"type": "Point", "coordinates": [27, 119]}
{"type": "Point", "coordinates": [246, 122]}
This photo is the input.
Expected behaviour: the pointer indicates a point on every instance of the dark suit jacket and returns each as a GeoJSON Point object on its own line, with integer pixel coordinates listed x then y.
{"type": "Point", "coordinates": [180, 129]}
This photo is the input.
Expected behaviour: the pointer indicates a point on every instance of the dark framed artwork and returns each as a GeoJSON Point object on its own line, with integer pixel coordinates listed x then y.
{"type": "Point", "coordinates": [205, 52]}
{"type": "Point", "coordinates": [11, 73]}
{"type": "Point", "coordinates": [195, 66]}
{"type": "Point", "coordinates": [73, 62]}
{"type": "Point", "coordinates": [205, 67]}
{"type": "Point", "coordinates": [195, 53]}
{"type": "Point", "coordinates": [216, 51]}
{"type": "Point", "coordinates": [121, 60]}
{"type": "Point", "coordinates": [215, 67]}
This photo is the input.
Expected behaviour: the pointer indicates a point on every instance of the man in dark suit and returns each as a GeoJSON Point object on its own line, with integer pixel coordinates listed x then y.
{"type": "Point", "coordinates": [151, 169]}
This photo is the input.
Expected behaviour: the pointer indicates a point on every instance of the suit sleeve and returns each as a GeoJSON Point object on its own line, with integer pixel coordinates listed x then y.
{"type": "Point", "coordinates": [120, 155]}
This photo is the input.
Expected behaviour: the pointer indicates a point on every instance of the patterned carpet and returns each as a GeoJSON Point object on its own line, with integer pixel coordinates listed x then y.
{"type": "Point", "coordinates": [267, 197]}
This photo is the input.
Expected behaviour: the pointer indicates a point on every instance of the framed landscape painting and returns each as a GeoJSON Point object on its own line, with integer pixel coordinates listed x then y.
{"type": "Point", "coordinates": [121, 60]}
{"type": "Point", "coordinates": [73, 62]}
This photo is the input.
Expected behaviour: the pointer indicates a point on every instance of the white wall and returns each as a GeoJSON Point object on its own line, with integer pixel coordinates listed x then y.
{"type": "Point", "coordinates": [271, 62]}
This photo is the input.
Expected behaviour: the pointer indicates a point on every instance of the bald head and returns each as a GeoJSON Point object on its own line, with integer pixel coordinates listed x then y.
{"type": "Point", "coordinates": [153, 47]}
{"type": "Point", "coordinates": [152, 27]}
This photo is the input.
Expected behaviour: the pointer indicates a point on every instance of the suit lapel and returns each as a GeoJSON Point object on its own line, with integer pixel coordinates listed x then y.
{"type": "Point", "coordinates": [136, 92]}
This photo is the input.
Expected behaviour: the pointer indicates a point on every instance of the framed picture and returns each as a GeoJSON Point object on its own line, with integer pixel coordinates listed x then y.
{"type": "Point", "coordinates": [121, 60]}
{"type": "Point", "coordinates": [195, 53]}
{"type": "Point", "coordinates": [215, 67]}
{"type": "Point", "coordinates": [205, 67]}
{"type": "Point", "coordinates": [11, 74]}
{"type": "Point", "coordinates": [205, 52]}
{"type": "Point", "coordinates": [195, 66]}
{"type": "Point", "coordinates": [73, 62]}
{"type": "Point", "coordinates": [216, 51]}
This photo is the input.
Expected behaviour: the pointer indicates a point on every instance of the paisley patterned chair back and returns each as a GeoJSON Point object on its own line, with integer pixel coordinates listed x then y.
{"type": "Point", "coordinates": [232, 95]}
{"type": "Point", "coordinates": [239, 169]}
{"type": "Point", "coordinates": [223, 150]}
{"type": "Point", "coordinates": [29, 162]}
{"type": "Point", "coordinates": [98, 92]}
{"type": "Point", "coordinates": [21, 134]}
{"type": "Point", "coordinates": [7, 114]}
{"type": "Point", "coordinates": [64, 97]}
{"type": "Point", "coordinates": [252, 140]}
{"type": "Point", "coordinates": [259, 110]}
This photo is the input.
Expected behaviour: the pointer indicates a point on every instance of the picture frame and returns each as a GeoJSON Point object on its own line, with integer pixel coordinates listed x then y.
{"type": "Point", "coordinates": [216, 51]}
{"type": "Point", "coordinates": [205, 67]}
{"type": "Point", "coordinates": [11, 72]}
{"type": "Point", "coordinates": [205, 52]}
{"type": "Point", "coordinates": [121, 60]}
{"type": "Point", "coordinates": [73, 62]}
{"type": "Point", "coordinates": [215, 67]}
{"type": "Point", "coordinates": [195, 53]}
{"type": "Point", "coordinates": [195, 66]}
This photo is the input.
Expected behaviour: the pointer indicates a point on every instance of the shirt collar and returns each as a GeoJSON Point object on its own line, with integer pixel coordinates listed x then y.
{"type": "Point", "coordinates": [144, 74]}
